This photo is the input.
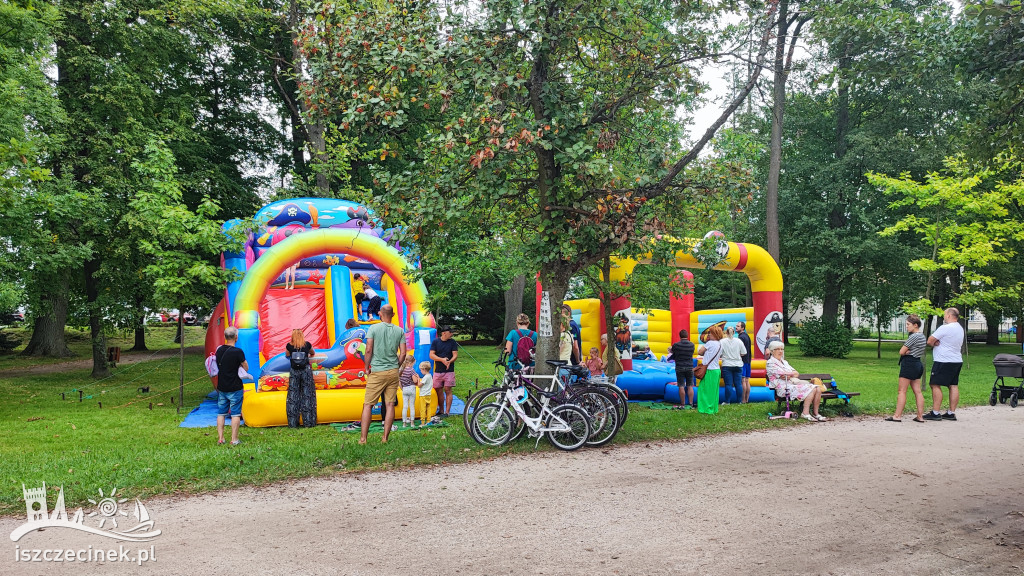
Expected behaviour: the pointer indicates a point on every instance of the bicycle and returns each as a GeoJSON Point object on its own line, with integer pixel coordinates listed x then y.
{"type": "Point", "coordinates": [566, 426]}
{"type": "Point", "coordinates": [571, 386]}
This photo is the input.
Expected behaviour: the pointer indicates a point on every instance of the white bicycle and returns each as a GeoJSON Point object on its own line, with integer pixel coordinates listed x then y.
{"type": "Point", "coordinates": [566, 426]}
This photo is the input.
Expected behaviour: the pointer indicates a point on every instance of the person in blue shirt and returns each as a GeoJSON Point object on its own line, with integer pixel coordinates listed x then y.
{"type": "Point", "coordinates": [512, 342]}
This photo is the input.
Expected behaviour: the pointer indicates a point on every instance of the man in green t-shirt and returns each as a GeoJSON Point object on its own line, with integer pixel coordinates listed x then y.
{"type": "Point", "coordinates": [385, 352]}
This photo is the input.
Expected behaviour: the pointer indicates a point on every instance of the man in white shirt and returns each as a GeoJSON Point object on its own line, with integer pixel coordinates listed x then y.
{"type": "Point", "coordinates": [946, 363]}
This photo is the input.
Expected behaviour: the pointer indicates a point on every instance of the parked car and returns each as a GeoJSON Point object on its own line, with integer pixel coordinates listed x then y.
{"type": "Point", "coordinates": [12, 319]}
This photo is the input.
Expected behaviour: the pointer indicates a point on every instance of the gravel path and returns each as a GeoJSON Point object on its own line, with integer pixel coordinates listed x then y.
{"type": "Point", "coordinates": [844, 497]}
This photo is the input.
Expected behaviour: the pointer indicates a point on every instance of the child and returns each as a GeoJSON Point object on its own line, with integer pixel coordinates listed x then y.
{"type": "Point", "coordinates": [423, 403]}
{"type": "Point", "coordinates": [594, 363]}
{"type": "Point", "coordinates": [408, 379]}
{"type": "Point", "coordinates": [358, 283]}
{"type": "Point", "coordinates": [373, 299]}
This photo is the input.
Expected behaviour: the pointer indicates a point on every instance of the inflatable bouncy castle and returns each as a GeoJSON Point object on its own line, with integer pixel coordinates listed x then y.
{"type": "Point", "coordinates": [298, 270]}
{"type": "Point", "coordinates": [656, 380]}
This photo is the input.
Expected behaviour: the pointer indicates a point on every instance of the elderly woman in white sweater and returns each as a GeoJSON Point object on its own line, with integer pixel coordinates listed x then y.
{"type": "Point", "coordinates": [783, 378]}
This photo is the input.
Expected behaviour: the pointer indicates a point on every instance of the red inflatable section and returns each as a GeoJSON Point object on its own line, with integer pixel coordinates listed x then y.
{"type": "Point", "coordinates": [285, 310]}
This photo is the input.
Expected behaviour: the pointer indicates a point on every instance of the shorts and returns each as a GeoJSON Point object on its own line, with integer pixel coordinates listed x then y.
{"type": "Point", "coordinates": [946, 373]}
{"type": "Point", "coordinates": [684, 378]}
{"type": "Point", "coordinates": [911, 367]}
{"type": "Point", "coordinates": [444, 380]}
{"type": "Point", "coordinates": [229, 403]}
{"type": "Point", "coordinates": [378, 383]}
{"type": "Point", "coordinates": [746, 370]}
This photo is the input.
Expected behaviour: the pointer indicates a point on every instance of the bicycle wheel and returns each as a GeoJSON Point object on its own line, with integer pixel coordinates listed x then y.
{"type": "Point", "coordinates": [604, 415]}
{"type": "Point", "coordinates": [620, 399]}
{"type": "Point", "coordinates": [485, 396]}
{"type": "Point", "coordinates": [576, 426]}
{"type": "Point", "coordinates": [492, 425]}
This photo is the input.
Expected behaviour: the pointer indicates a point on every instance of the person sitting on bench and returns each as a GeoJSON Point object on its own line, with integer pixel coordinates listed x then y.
{"type": "Point", "coordinates": [785, 380]}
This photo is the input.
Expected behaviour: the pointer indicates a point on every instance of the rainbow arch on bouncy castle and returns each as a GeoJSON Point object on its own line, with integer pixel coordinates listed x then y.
{"type": "Point", "coordinates": [410, 312]}
{"type": "Point", "coordinates": [656, 380]}
{"type": "Point", "coordinates": [763, 273]}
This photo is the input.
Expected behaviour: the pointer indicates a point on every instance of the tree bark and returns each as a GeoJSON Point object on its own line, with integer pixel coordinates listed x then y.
{"type": "Point", "coordinates": [555, 280]}
{"type": "Point", "coordinates": [48, 324]}
{"type": "Point", "coordinates": [100, 369]}
{"type": "Point", "coordinates": [514, 303]}
{"type": "Point", "coordinates": [848, 314]}
{"type": "Point", "coordinates": [837, 218]}
{"type": "Point", "coordinates": [314, 125]}
{"type": "Point", "coordinates": [140, 327]}
{"type": "Point", "coordinates": [775, 154]}
{"type": "Point", "coordinates": [992, 319]}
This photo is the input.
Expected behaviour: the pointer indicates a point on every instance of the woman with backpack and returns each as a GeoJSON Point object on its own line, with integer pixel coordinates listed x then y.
{"type": "Point", "coordinates": [520, 344]}
{"type": "Point", "coordinates": [301, 400]}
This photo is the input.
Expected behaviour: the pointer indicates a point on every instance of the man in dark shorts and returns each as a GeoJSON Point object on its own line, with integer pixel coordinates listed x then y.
{"type": "Point", "coordinates": [682, 354]}
{"type": "Point", "coordinates": [946, 342]}
{"type": "Point", "coordinates": [229, 385]}
{"type": "Point", "coordinates": [444, 351]}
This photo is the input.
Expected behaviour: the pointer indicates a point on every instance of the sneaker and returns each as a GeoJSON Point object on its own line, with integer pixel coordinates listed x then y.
{"type": "Point", "coordinates": [949, 416]}
{"type": "Point", "coordinates": [933, 416]}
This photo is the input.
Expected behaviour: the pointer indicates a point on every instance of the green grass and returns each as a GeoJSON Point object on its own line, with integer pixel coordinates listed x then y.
{"type": "Point", "coordinates": [158, 337]}
{"type": "Point", "coordinates": [142, 452]}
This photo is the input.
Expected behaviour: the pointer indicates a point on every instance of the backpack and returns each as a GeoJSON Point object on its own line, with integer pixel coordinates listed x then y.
{"type": "Point", "coordinates": [525, 348]}
{"type": "Point", "coordinates": [211, 364]}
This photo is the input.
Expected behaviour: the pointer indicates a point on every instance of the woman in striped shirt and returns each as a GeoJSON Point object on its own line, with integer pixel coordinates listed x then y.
{"type": "Point", "coordinates": [911, 370]}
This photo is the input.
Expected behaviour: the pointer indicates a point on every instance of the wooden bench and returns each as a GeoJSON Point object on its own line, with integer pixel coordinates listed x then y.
{"type": "Point", "coordinates": [825, 396]}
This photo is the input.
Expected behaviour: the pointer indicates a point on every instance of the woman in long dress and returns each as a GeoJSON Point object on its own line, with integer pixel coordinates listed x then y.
{"type": "Point", "coordinates": [707, 390]}
{"type": "Point", "coordinates": [300, 404]}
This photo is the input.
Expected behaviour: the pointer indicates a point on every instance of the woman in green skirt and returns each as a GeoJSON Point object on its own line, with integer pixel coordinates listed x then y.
{"type": "Point", "coordinates": [707, 391]}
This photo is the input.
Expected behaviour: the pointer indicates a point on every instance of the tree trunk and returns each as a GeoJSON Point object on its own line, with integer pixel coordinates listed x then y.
{"type": "Point", "coordinates": [315, 130]}
{"type": "Point", "coordinates": [555, 280]}
{"type": "Point", "coordinates": [836, 217]}
{"type": "Point", "coordinates": [48, 324]}
{"type": "Point", "coordinates": [181, 359]}
{"type": "Point", "coordinates": [775, 155]}
{"type": "Point", "coordinates": [100, 369]}
{"type": "Point", "coordinates": [992, 327]}
{"type": "Point", "coordinates": [140, 326]}
{"type": "Point", "coordinates": [830, 303]}
{"type": "Point", "coordinates": [848, 314]}
{"type": "Point", "coordinates": [878, 352]}
{"type": "Point", "coordinates": [514, 302]}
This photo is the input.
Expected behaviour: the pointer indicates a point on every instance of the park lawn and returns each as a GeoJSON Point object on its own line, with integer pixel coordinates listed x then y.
{"type": "Point", "coordinates": [141, 450]}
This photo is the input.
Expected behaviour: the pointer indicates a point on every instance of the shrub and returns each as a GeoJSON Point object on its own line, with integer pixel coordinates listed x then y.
{"type": "Point", "coordinates": [8, 341]}
{"type": "Point", "coordinates": [863, 331]}
{"type": "Point", "coordinates": [829, 339]}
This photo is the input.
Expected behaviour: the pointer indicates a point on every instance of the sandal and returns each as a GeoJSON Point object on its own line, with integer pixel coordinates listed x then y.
{"type": "Point", "coordinates": [821, 418]}
{"type": "Point", "coordinates": [809, 418]}
{"type": "Point", "coordinates": [921, 420]}
{"type": "Point", "coordinates": [891, 419]}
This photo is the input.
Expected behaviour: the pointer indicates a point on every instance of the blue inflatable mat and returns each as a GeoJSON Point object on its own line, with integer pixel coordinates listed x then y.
{"type": "Point", "coordinates": [204, 415]}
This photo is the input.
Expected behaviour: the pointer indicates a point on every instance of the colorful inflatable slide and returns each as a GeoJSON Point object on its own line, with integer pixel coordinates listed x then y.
{"type": "Point", "coordinates": [297, 270]}
{"type": "Point", "coordinates": [656, 380]}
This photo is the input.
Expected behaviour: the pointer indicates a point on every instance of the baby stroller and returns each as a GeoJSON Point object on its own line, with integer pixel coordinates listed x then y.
{"type": "Point", "coordinates": [1007, 366]}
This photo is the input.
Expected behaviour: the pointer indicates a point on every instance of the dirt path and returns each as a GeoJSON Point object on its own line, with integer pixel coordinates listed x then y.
{"type": "Point", "coordinates": [843, 497]}
{"type": "Point", "coordinates": [127, 358]}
